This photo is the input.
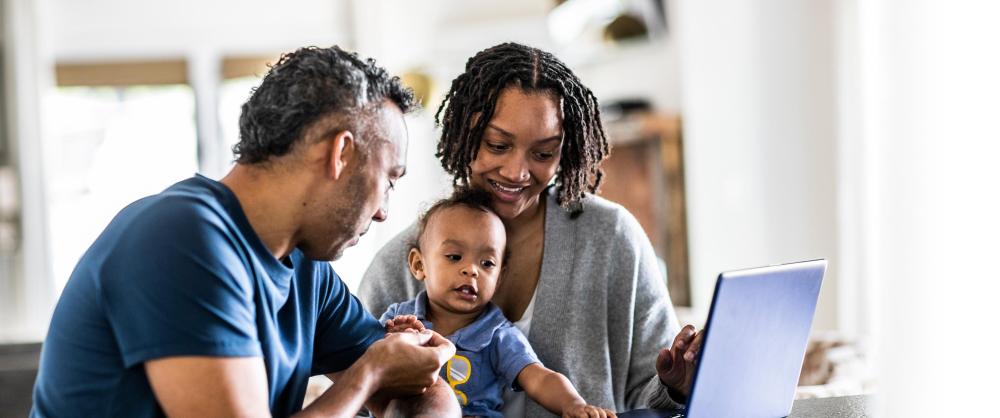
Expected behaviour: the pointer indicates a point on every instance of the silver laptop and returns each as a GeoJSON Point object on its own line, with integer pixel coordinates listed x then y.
{"type": "Point", "coordinates": [754, 343]}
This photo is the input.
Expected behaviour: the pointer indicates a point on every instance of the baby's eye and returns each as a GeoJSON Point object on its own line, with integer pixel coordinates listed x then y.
{"type": "Point", "coordinates": [453, 257]}
{"type": "Point", "coordinates": [488, 264]}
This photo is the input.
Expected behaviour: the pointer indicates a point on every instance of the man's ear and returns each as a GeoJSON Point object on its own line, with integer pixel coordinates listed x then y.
{"type": "Point", "coordinates": [416, 262]}
{"type": "Point", "coordinates": [342, 151]}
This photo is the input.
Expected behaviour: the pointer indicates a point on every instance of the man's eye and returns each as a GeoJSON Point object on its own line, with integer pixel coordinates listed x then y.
{"type": "Point", "coordinates": [453, 257]}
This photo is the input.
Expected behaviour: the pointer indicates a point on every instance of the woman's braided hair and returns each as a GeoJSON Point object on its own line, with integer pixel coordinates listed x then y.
{"type": "Point", "coordinates": [471, 101]}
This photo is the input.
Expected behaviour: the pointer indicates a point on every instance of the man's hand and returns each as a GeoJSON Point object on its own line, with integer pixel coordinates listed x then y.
{"type": "Point", "coordinates": [408, 363]}
{"type": "Point", "coordinates": [401, 365]}
{"type": "Point", "coordinates": [403, 323]}
{"type": "Point", "coordinates": [675, 365]}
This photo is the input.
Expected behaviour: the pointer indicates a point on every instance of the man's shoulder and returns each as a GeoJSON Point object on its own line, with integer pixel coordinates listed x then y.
{"type": "Point", "coordinates": [174, 229]}
{"type": "Point", "coordinates": [188, 199]}
{"type": "Point", "coordinates": [180, 211]}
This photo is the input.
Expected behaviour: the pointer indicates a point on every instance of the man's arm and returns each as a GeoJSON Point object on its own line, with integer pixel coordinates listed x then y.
{"type": "Point", "coordinates": [237, 387]}
{"type": "Point", "coordinates": [403, 364]}
{"type": "Point", "coordinates": [210, 386]}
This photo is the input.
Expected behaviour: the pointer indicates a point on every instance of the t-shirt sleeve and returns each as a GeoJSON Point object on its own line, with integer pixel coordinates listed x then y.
{"type": "Point", "coordinates": [175, 285]}
{"type": "Point", "coordinates": [344, 329]}
{"type": "Point", "coordinates": [512, 353]}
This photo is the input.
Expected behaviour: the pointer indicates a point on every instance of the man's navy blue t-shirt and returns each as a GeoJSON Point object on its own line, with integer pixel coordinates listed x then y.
{"type": "Point", "coordinates": [182, 273]}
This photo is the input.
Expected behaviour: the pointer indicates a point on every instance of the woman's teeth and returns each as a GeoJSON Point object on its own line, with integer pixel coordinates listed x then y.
{"type": "Point", "coordinates": [505, 189]}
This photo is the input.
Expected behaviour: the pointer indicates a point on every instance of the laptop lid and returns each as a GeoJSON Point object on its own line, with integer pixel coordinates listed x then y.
{"type": "Point", "coordinates": [755, 341]}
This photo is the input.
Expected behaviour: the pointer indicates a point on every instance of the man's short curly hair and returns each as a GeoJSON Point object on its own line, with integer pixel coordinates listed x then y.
{"type": "Point", "coordinates": [306, 87]}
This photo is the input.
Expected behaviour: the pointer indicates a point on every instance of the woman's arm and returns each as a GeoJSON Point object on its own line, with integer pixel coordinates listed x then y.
{"type": "Point", "coordinates": [555, 393]}
{"type": "Point", "coordinates": [653, 319]}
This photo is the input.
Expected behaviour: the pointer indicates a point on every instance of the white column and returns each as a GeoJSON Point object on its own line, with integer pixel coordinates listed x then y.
{"type": "Point", "coordinates": [758, 99]}
{"type": "Point", "coordinates": [28, 69]}
{"type": "Point", "coordinates": [205, 75]}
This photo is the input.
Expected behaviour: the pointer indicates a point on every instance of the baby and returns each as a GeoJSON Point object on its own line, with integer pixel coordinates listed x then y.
{"type": "Point", "coordinates": [459, 255]}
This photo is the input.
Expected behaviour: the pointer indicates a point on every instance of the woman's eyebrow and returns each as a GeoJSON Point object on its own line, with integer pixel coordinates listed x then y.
{"type": "Point", "coordinates": [501, 130]}
{"type": "Point", "coordinates": [510, 135]}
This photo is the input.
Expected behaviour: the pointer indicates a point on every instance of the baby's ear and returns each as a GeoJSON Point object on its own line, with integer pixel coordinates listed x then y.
{"type": "Point", "coordinates": [416, 262]}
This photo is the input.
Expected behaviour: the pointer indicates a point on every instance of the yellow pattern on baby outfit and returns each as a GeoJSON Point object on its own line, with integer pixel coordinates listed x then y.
{"type": "Point", "coordinates": [459, 370]}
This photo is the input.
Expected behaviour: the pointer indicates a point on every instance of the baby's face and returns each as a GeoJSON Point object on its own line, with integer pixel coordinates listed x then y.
{"type": "Point", "coordinates": [461, 251]}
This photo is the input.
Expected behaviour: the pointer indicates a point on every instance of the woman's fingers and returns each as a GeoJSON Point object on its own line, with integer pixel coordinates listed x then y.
{"type": "Point", "coordinates": [692, 351]}
{"type": "Point", "coordinates": [682, 341]}
{"type": "Point", "coordinates": [664, 361]}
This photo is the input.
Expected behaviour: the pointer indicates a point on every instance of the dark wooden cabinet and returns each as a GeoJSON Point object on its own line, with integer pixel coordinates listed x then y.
{"type": "Point", "coordinates": [645, 174]}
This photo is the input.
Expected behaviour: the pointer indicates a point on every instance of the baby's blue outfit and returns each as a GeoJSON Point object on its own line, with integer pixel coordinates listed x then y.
{"type": "Point", "coordinates": [490, 354]}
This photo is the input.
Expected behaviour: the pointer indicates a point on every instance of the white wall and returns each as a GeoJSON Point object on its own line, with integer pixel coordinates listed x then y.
{"type": "Point", "coordinates": [929, 105]}
{"type": "Point", "coordinates": [757, 92]}
{"type": "Point", "coordinates": [104, 29]}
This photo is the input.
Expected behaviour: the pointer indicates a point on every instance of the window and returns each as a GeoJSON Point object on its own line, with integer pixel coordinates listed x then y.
{"type": "Point", "coordinates": [110, 147]}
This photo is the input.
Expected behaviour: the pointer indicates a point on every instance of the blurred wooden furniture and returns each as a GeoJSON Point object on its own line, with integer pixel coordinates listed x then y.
{"type": "Point", "coordinates": [645, 173]}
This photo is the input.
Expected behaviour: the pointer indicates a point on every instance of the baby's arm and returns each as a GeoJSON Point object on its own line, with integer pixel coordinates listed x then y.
{"type": "Point", "coordinates": [404, 322]}
{"type": "Point", "coordinates": [554, 392]}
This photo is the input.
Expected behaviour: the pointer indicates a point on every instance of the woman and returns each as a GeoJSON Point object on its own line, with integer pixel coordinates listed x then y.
{"type": "Point", "coordinates": [582, 282]}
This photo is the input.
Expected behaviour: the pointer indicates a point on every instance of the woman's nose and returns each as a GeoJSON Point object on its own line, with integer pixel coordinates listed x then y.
{"type": "Point", "coordinates": [515, 169]}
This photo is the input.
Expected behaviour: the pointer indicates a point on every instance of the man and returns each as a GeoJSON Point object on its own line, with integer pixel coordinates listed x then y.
{"type": "Point", "coordinates": [214, 298]}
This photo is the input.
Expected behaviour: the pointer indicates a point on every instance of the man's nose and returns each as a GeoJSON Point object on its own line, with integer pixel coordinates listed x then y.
{"type": "Point", "coordinates": [380, 215]}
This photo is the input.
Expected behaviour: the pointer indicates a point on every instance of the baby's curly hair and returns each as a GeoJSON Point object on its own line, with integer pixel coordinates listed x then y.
{"type": "Point", "coordinates": [469, 197]}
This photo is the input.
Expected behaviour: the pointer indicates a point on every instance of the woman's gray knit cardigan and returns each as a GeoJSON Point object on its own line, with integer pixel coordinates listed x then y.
{"type": "Point", "coordinates": [601, 314]}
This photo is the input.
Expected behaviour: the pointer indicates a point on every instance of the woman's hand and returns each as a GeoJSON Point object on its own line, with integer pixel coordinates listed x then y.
{"type": "Point", "coordinates": [587, 411]}
{"type": "Point", "coordinates": [403, 323]}
{"type": "Point", "coordinates": [675, 365]}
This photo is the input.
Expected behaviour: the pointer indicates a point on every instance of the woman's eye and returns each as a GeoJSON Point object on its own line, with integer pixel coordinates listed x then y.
{"type": "Point", "coordinates": [543, 156]}
{"type": "Point", "coordinates": [497, 147]}
{"type": "Point", "coordinates": [453, 257]}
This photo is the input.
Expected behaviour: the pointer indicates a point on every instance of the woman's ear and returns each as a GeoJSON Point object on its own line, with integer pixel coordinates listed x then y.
{"type": "Point", "coordinates": [416, 262]}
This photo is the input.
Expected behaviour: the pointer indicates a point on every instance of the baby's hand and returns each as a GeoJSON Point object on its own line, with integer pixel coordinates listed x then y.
{"type": "Point", "coordinates": [587, 411]}
{"type": "Point", "coordinates": [403, 323]}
